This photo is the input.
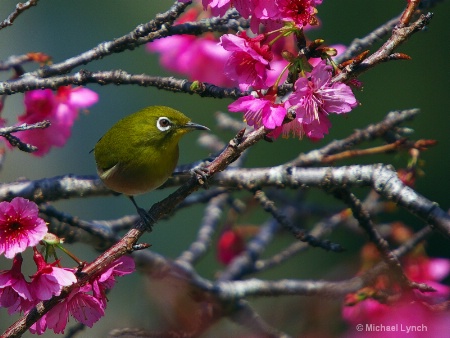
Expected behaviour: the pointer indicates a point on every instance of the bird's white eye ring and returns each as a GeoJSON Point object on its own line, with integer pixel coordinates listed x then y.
{"type": "Point", "coordinates": [163, 123]}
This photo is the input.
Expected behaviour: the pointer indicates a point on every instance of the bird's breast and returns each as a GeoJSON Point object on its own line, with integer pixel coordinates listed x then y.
{"type": "Point", "coordinates": [138, 177]}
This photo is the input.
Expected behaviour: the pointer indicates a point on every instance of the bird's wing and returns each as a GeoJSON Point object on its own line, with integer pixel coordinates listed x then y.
{"type": "Point", "coordinates": [106, 173]}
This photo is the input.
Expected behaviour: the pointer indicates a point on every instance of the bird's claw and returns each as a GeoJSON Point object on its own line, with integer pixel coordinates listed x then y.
{"type": "Point", "coordinates": [201, 174]}
{"type": "Point", "coordinates": [146, 218]}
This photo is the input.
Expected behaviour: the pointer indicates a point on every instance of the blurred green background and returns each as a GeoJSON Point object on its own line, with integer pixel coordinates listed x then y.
{"type": "Point", "coordinates": [66, 28]}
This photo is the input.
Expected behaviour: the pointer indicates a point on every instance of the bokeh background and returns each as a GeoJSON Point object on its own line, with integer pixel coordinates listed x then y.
{"type": "Point", "coordinates": [66, 28]}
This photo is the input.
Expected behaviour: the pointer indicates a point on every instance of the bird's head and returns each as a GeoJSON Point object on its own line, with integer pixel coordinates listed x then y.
{"type": "Point", "coordinates": [160, 126]}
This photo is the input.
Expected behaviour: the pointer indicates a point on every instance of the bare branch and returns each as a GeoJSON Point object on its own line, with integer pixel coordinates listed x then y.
{"type": "Point", "coordinates": [371, 132]}
{"type": "Point", "coordinates": [116, 77]}
{"type": "Point", "coordinates": [364, 220]}
{"type": "Point", "coordinates": [380, 177]}
{"type": "Point", "coordinates": [198, 248]}
{"type": "Point", "coordinates": [20, 8]}
{"type": "Point", "coordinates": [298, 232]}
{"type": "Point", "coordinates": [129, 41]}
{"type": "Point", "coordinates": [52, 189]}
{"type": "Point", "coordinates": [15, 141]}
{"type": "Point", "coordinates": [399, 35]}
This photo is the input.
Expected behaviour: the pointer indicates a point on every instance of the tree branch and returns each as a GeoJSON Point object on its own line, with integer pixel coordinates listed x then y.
{"type": "Point", "coordinates": [20, 8]}
{"type": "Point", "coordinates": [399, 35]}
{"type": "Point", "coordinates": [380, 177]}
{"type": "Point", "coordinates": [15, 141]}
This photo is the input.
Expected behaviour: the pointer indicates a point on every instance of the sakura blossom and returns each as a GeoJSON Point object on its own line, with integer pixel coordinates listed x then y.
{"type": "Point", "coordinates": [60, 108]}
{"type": "Point", "coordinates": [314, 97]}
{"type": "Point", "coordinates": [49, 279]}
{"type": "Point", "coordinates": [20, 226]}
{"type": "Point", "coordinates": [249, 61]}
{"type": "Point", "coordinates": [261, 111]}
{"type": "Point", "coordinates": [14, 291]}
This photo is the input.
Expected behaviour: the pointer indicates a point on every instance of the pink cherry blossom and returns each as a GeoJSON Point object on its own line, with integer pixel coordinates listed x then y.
{"type": "Point", "coordinates": [266, 13]}
{"type": "Point", "coordinates": [20, 226]}
{"type": "Point", "coordinates": [296, 128]}
{"type": "Point", "coordinates": [206, 51]}
{"type": "Point", "coordinates": [86, 304]}
{"type": "Point", "coordinates": [363, 310]}
{"type": "Point", "coordinates": [403, 314]}
{"type": "Point", "coordinates": [314, 98]}
{"type": "Point", "coordinates": [261, 111]}
{"type": "Point", "coordinates": [249, 61]}
{"type": "Point", "coordinates": [188, 55]}
{"type": "Point", "coordinates": [272, 14]}
{"type": "Point", "coordinates": [175, 49]}
{"type": "Point", "coordinates": [413, 307]}
{"type": "Point", "coordinates": [244, 7]}
{"type": "Point", "coordinates": [49, 279]}
{"type": "Point", "coordinates": [60, 108]}
{"type": "Point", "coordinates": [424, 269]}
{"type": "Point", "coordinates": [82, 306]}
{"type": "Point", "coordinates": [316, 129]}
{"type": "Point", "coordinates": [39, 326]}
{"type": "Point", "coordinates": [13, 287]}
{"type": "Point", "coordinates": [301, 12]}
{"type": "Point", "coordinates": [106, 280]}
{"type": "Point", "coordinates": [315, 94]}
{"type": "Point", "coordinates": [175, 52]}
{"type": "Point", "coordinates": [218, 7]}
{"type": "Point", "coordinates": [438, 268]}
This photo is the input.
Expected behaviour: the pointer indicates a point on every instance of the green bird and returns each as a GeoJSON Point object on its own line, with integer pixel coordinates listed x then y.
{"type": "Point", "coordinates": [139, 153]}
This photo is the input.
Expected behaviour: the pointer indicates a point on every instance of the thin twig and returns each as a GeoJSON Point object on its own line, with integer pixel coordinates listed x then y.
{"type": "Point", "coordinates": [211, 218]}
{"type": "Point", "coordinates": [95, 229]}
{"type": "Point", "coordinates": [298, 232]}
{"type": "Point", "coordinates": [369, 133]}
{"type": "Point", "coordinates": [320, 229]}
{"type": "Point", "coordinates": [366, 223]}
{"type": "Point", "coordinates": [399, 35]}
{"type": "Point", "coordinates": [20, 8]}
{"type": "Point", "coordinates": [398, 145]}
{"type": "Point", "coordinates": [130, 41]}
{"type": "Point", "coordinates": [15, 141]}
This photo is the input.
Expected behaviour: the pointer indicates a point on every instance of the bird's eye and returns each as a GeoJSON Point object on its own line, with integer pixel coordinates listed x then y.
{"type": "Point", "coordinates": [163, 124]}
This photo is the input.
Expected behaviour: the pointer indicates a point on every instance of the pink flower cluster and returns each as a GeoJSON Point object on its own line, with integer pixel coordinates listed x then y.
{"type": "Point", "coordinates": [313, 99]}
{"type": "Point", "coordinates": [60, 108]}
{"type": "Point", "coordinates": [270, 13]}
{"type": "Point", "coordinates": [86, 303]}
{"type": "Point", "coordinates": [254, 62]}
{"type": "Point", "coordinates": [20, 228]}
{"type": "Point", "coordinates": [199, 59]}
{"type": "Point", "coordinates": [203, 59]}
{"type": "Point", "coordinates": [409, 310]}
{"type": "Point", "coordinates": [373, 306]}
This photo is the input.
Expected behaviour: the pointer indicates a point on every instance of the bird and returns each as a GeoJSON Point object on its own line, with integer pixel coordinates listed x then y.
{"type": "Point", "coordinates": [140, 152]}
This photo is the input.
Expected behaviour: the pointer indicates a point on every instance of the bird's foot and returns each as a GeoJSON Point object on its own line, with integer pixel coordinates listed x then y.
{"type": "Point", "coordinates": [201, 174]}
{"type": "Point", "coordinates": [146, 218]}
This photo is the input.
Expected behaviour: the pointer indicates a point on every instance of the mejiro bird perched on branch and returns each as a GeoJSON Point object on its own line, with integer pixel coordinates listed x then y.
{"type": "Point", "coordinates": [139, 153]}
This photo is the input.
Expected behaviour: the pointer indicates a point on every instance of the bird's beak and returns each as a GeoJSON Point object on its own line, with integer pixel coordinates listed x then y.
{"type": "Point", "coordinates": [192, 125]}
